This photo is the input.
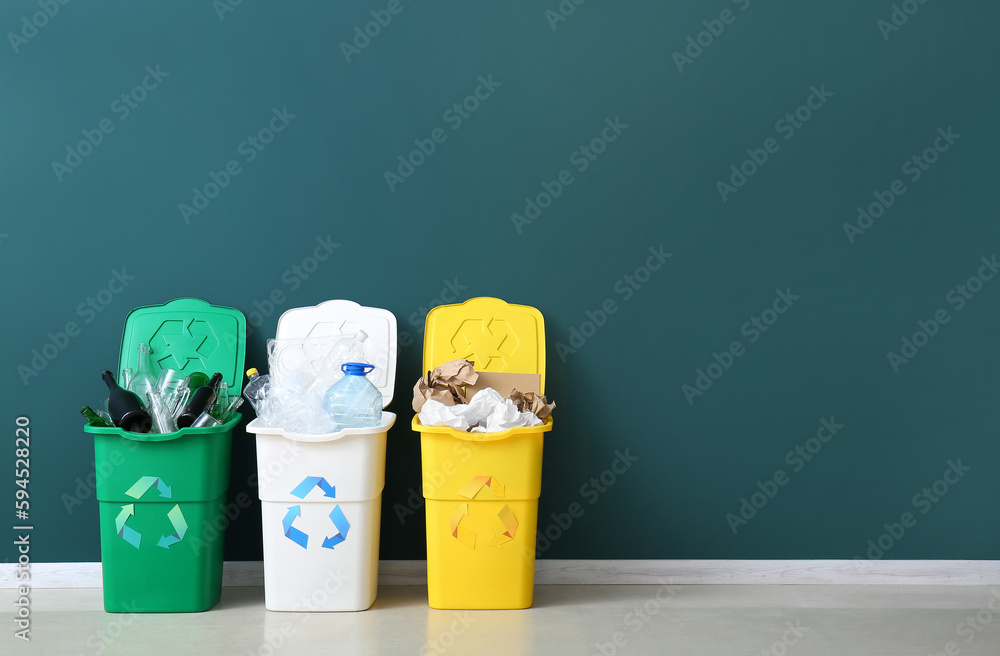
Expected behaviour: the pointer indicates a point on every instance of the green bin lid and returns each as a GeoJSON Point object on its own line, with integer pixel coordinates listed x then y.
{"type": "Point", "coordinates": [190, 335]}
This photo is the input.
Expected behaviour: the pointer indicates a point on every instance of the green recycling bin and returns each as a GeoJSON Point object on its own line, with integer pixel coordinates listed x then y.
{"type": "Point", "coordinates": [162, 497]}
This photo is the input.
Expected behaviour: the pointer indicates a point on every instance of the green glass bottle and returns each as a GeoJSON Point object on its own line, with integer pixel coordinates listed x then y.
{"type": "Point", "coordinates": [93, 418]}
{"type": "Point", "coordinates": [197, 379]}
{"type": "Point", "coordinates": [221, 401]}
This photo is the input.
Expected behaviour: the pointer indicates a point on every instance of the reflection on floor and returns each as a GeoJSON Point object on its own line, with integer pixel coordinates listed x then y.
{"type": "Point", "coordinates": [568, 619]}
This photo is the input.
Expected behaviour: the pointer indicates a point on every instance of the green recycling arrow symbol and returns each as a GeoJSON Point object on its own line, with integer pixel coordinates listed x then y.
{"type": "Point", "coordinates": [131, 536]}
{"type": "Point", "coordinates": [146, 482]}
{"type": "Point", "coordinates": [176, 518]}
{"type": "Point", "coordinates": [175, 515]}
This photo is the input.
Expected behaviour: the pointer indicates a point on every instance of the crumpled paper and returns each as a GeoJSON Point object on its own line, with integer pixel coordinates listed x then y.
{"type": "Point", "coordinates": [435, 413]}
{"type": "Point", "coordinates": [506, 415]}
{"type": "Point", "coordinates": [531, 402]}
{"type": "Point", "coordinates": [487, 412]}
{"type": "Point", "coordinates": [480, 406]}
{"type": "Point", "coordinates": [445, 384]}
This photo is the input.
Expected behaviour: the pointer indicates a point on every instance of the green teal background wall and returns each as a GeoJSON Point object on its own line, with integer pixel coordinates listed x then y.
{"type": "Point", "coordinates": [623, 340]}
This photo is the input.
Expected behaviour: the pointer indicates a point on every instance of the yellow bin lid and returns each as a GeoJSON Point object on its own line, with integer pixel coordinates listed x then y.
{"type": "Point", "coordinates": [493, 334]}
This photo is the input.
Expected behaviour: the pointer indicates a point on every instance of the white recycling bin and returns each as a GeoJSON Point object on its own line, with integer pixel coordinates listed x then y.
{"type": "Point", "coordinates": [321, 495]}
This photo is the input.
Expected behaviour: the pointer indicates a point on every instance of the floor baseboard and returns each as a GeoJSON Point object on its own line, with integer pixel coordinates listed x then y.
{"type": "Point", "coordinates": [610, 572]}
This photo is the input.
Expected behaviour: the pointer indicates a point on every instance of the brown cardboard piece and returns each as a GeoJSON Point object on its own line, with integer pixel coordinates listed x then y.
{"type": "Point", "coordinates": [504, 382]}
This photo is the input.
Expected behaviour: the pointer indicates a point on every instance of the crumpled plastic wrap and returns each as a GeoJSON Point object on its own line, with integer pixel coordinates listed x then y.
{"type": "Point", "coordinates": [291, 409]}
{"type": "Point", "coordinates": [445, 384]}
{"type": "Point", "coordinates": [486, 412]}
{"type": "Point", "coordinates": [293, 398]}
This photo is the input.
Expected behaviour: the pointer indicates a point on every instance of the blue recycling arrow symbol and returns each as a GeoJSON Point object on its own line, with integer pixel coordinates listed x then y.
{"type": "Point", "coordinates": [309, 482]}
{"type": "Point", "coordinates": [338, 519]}
{"type": "Point", "coordinates": [292, 533]}
{"type": "Point", "coordinates": [336, 515]}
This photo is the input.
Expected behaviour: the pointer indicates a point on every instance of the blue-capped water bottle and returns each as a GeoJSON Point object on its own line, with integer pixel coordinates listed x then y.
{"type": "Point", "coordinates": [353, 402]}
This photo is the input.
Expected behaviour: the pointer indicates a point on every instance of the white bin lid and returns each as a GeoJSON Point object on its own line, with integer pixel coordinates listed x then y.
{"type": "Point", "coordinates": [341, 317]}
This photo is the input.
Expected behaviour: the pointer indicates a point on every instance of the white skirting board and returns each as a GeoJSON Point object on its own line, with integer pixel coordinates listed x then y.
{"type": "Point", "coordinates": [611, 572]}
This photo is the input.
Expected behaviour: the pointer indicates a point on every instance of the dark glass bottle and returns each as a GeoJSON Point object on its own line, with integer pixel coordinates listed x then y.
{"type": "Point", "coordinates": [124, 407]}
{"type": "Point", "coordinates": [200, 401]}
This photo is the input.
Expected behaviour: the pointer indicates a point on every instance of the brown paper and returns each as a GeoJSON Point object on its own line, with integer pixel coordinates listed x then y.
{"type": "Point", "coordinates": [532, 402]}
{"type": "Point", "coordinates": [458, 373]}
{"type": "Point", "coordinates": [445, 384]}
{"type": "Point", "coordinates": [457, 382]}
{"type": "Point", "coordinates": [504, 382]}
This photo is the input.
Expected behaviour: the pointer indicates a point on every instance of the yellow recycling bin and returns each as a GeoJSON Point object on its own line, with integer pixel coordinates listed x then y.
{"type": "Point", "coordinates": [481, 489]}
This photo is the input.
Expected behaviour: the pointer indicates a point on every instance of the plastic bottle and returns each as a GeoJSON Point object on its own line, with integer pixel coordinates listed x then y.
{"type": "Point", "coordinates": [346, 349]}
{"type": "Point", "coordinates": [255, 391]}
{"type": "Point", "coordinates": [353, 402]}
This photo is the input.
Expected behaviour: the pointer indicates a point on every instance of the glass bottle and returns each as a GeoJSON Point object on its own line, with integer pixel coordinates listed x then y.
{"type": "Point", "coordinates": [143, 381]}
{"type": "Point", "coordinates": [125, 408]}
{"type": "Point", "coordinates": [200, 401]}
{"type": "Point", "coordinates": [93, 418]}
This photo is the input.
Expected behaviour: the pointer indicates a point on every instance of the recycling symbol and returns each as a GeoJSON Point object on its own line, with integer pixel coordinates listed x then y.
{"type": "Point", "coordinates": [488, 343]}
{"type": "Point", "coordinates": [336, 515]}
{"type": "Point", "coordinates": [175, 515]}
{"type": "Point", "coordinates": [466, 535]}
{"type": "Point", "coordinates": [175, 344]}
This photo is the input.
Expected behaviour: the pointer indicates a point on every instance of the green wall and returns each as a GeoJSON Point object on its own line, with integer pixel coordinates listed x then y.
{"type": "Point", "coordinates": [836, 101]}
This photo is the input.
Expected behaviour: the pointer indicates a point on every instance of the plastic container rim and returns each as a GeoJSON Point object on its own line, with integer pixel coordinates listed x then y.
{"type": "Point", "coordinates": [162, 437]}
{"type": "Point", "coordinates": [544, 427]}
{"type": "Point", "coordinates": [257, 429]}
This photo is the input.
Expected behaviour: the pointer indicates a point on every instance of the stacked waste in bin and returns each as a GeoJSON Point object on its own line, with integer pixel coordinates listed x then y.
{"type": "Point", "coordinates": [163, 497]}
{"type": "Point", "coordinates": [482, 489]}
{"type": "Point", "coordinates": [321, 493]}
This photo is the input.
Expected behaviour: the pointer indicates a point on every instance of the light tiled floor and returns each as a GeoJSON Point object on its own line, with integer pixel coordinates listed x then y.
{"type": "Point", "coordinates": [572, 619]}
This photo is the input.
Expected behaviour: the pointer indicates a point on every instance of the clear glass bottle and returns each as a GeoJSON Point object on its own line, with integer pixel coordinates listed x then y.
{"type": "Point", "coordinates": [143, 381]}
